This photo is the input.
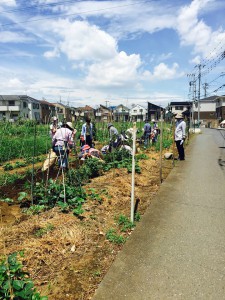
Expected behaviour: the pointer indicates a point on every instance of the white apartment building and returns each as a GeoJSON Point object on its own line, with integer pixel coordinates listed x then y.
{"type": "Point", "coordinates": [13, 107]}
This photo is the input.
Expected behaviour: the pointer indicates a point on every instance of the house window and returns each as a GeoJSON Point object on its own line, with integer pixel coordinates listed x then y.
{"type": "Point", "coordinates": [11, 103]}
{"type": "Point", "coordinates": [179, 107]}
{"type": "Point", "coordinates": [24, 104]}
{"type": "Point", "coordinates": [35, 106]}
{"type": "Point", "coordinates": [135, 110]}
{"type": "Point", "coordinates": [141, 110]}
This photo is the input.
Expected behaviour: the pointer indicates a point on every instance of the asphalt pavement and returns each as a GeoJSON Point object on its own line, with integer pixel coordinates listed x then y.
{"type": "Point", "coordinates": [177, 251]}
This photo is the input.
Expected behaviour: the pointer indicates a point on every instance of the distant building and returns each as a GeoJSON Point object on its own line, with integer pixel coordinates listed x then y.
{"type": "Point", "coordinates": [83, 112]}
{"type": "Point", "coordinates": [48, 110]}
{"type": "Point", "coordinates": [121, 113]}
{"type": "Point", "coordinates": [207, 111]}
{"type": "Point", "coordinates": [138, 113]}
{"type": "Point", "coordinates": [154, 111]}
{"type": "Point", "coordinates": [220, 108]}
{"type": "Point", "coordinates": [13, 107]}
{"type": "Point", "coordinates": [179, 107]}
{"type": "Point", "coordinates": [103, 114]}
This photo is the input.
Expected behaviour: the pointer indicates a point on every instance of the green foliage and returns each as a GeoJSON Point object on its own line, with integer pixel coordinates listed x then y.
{"type": "Point", "coordinates": [17, 140]}
{"type": "Point", "coordinates": [22, 196]}
{"type": "Point", "coordinates": [78, 210]}
{"type": "Point", "coordinates": [8, 167]}
{"type": "Point", "coordinates": [53, 194]}
{"type": "Point", "coordinates": [7, 200]}
{"type": "Point", "coordinates": [113, 237]}
{"type": "Point", "coordinates": [34, 209]}
{"type": "Point", "coordinates": [95, 196]}
{"type": "Point", "coordinates": [42, 231]}
{"type": "Point", "coordinates": [137, 217]}
{"type": "Point", "coordinates": [124, 223]}
{"type": "Point", "coordinates": [141, 156]}
{"type": "Point", "coordinates": [6, 179]}
{"type": "Point", "coordinates": [14, 282]}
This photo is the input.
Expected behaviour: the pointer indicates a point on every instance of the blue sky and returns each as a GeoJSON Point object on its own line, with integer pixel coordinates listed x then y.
{"type": "Point", "coordinates": [90, 52]}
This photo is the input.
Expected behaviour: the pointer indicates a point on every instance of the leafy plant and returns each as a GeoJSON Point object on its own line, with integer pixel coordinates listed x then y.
{"type": "Point", "coordinates": [34, 209]}
{"type": "Point", "coordinates": [113, 237]}
{"type": "Point", "coordinates": [137, 217]}
{"type": "Point", "coordinates": [95, 196]}
{"type": "Point", "coordinates": [124, 223]}
{"type": "Point", "coordinates": [14, 282]}
{"type": "Point", "coordinates": [78, 211]}
{"type": "Point", "coordinates": [42, 231]}
{"type": "Point", "coordinates": [8, 167]}
{"type": "Point", "coordinates": [7, 200]}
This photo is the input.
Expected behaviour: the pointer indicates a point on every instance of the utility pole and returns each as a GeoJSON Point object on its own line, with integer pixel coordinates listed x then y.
{"type": "Point", "coordinates": [205, 87]}
{"type": "Point", "coordinates": [192, 85]}
{"type": "Point", "coordinates": [199, 92]}
{"type": "Point", "coordinates": [106, 103]}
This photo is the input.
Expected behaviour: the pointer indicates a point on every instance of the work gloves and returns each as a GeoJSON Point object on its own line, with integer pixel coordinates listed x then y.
{"type": "Point", "coordinates": [182, 141]}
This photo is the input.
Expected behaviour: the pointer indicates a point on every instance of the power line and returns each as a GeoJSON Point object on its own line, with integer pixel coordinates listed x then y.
{"type": "Point", "coordinates": [69, 15]}
{"type": "Point", "coordinates": [36, 6]}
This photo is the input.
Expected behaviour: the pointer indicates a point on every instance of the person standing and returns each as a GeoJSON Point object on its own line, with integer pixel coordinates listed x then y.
{"type": "Point", "coordinates": [62, 143]}
{"type": "Point", "coordinates": [147, 133]}
{"type": "Point", "coordinates": [87, 132]}
{"type": "Point", "coordinates": [180, 135]}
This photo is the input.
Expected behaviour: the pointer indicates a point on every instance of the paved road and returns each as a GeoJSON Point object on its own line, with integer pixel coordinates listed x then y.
{"type": "Point", "coordinates": [177, 251]}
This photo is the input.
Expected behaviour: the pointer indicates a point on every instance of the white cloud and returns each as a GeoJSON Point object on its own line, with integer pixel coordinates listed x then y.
{"type": "Point", "coordinates": [52, 54]}
{"type": "Point", "coordinates": [117, 71]}
{"type": "Point", "coordinates": [163, 72]}
{"type": "Point", "coordinates": [10, 3]}
{"type": "Point", "coordinates": [13, 37]}
{"type": "Point", "coordinates": [195, 32]}
{"type": "Point", "coordinates": [82, 41]}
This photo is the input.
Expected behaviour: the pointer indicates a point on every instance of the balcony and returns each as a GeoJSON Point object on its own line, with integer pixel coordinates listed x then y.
{"type": "Point", "coordinates": [9, 108]}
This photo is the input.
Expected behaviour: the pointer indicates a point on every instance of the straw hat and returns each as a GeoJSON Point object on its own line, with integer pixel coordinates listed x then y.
{"type": "Point", "coordinates": [70, 125]}
{"type": "Point", "coordinates": [179, 116]}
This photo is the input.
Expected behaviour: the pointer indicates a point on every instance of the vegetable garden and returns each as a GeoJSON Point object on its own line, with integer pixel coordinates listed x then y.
{"type": "Point", "coordinates": [69, 227]}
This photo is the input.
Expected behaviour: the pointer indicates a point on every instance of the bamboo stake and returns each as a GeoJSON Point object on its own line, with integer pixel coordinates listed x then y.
{"type": "Point", "coordinates": [133, 174]}
{"type": "Point", "coordinates": [161, 142]}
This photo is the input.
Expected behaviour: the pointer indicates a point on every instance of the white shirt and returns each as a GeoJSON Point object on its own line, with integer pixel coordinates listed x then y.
{"type": "Point", "coordinates": [180, 130]}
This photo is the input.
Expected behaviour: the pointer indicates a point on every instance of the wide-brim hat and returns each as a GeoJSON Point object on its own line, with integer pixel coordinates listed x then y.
{"type": "Point", "coordinates": [179, 116]}
{"type": "Point", "coordinates": [109, 125]}
{"type": "Point", "coordinates": [70, 125]}
{"type": "Point", "coordinates": [85, 147]}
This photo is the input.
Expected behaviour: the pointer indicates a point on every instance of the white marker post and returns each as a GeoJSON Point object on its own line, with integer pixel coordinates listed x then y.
{"type": "Point", "coordinates": [133, 173]}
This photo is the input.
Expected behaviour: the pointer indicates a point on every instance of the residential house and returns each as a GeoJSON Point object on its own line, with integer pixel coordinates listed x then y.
{"type": "Point", "coordinates": [121, 113]}
{"type": "Point", "coordinates": [103, 114]}
{"type": "Point", "coordinates": [48, 110]}
{"type": "Point", "coordinates": [220, 108]}
{"type": "Point", "coordinates": [63, 112]}
{"type": "Point", "coordinates": [82, 112]}
{"type": "Point", "coordinates": [154, 111]}
{"type": "Point", "coordinates": [138, 113]}
{"type": "Point", "coordinates": [179, 107]}
{"type": "Point", "coordinates": [13, 107]}
{"type": "Point", "coordinates": [206, 111]}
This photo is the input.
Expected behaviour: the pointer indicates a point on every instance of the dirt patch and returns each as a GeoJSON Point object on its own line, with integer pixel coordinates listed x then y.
{"type": "Point", "coordinates": [69, 260]}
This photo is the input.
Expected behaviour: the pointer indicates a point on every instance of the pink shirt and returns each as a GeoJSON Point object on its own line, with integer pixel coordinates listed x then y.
{"type": "Point", "coordinates": [61, 136]}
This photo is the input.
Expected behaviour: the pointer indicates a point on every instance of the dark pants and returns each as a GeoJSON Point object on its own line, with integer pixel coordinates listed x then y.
{"type": "Point", "coordinates": [89, 140]}
{"type": "Point", "coordinates": [180, 149]}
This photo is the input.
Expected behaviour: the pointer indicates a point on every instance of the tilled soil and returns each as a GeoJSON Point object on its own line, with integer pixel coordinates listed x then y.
{"type": "Point", "coordinates": [70, 260]}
